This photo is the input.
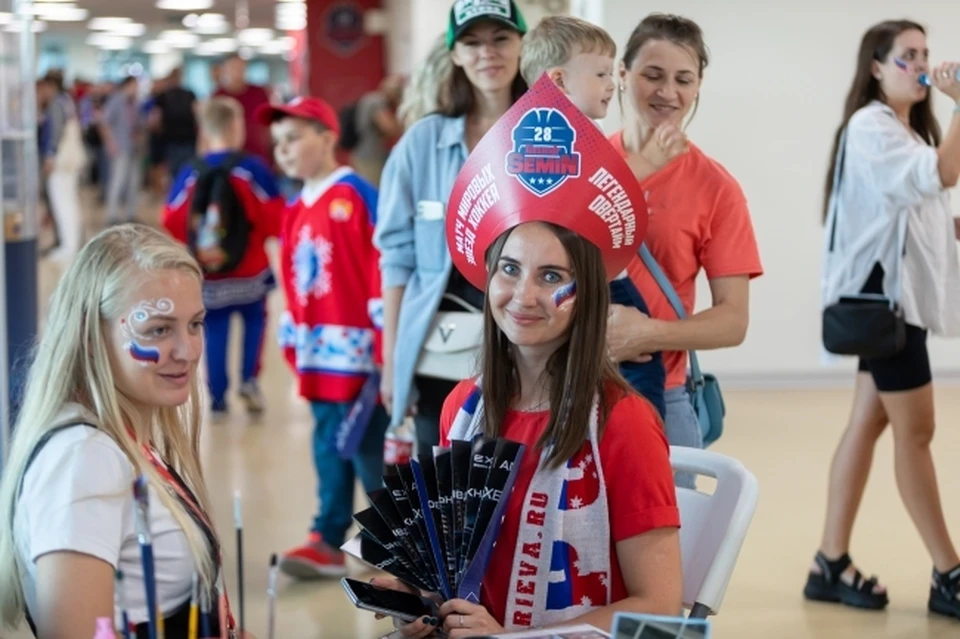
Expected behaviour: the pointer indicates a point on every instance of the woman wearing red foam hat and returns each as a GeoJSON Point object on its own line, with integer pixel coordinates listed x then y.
{"type": "Point", "coordinates": [543, 215]}
{"type": "Point", "coordinates": [419, 283]}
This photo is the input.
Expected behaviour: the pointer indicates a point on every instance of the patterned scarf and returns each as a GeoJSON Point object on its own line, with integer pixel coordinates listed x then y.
{"type": "Point", "coordinates": [567, 509]}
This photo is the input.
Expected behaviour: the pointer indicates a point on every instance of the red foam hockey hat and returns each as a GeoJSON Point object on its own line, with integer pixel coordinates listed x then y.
{"type": "Point", "coordinates": [544, 161]}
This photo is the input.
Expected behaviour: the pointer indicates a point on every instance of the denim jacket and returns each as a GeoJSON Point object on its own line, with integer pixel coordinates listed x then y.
{"type": "Point", "coordinates": [411, 236]}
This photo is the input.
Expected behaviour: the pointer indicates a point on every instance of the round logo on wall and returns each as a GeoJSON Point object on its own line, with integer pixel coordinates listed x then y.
{"type": "Point", "coordinates": [342, 30]}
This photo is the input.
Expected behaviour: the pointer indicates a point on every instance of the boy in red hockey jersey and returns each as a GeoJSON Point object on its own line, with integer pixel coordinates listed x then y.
{"type": "Point", "coordinates": [226, 229]}
{"type": "Point", "coordinates": [330, 332]}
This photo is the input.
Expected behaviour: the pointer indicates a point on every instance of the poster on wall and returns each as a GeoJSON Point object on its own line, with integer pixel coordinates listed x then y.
{"type": "Point", "coordinates": [345, 59]}
{"type": "Point", "coordinates": [342, 32]}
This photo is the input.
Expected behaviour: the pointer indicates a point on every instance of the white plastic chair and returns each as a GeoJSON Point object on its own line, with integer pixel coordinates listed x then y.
{"type": "Point", "coordinates": [712, 527]}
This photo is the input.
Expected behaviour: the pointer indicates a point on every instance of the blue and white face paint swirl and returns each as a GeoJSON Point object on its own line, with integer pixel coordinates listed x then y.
{"type": "Point", "coordinates": [134, 324]}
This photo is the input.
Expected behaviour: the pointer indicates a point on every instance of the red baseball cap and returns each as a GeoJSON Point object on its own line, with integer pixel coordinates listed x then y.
{"type": "Point", "coordinates": [306, 108]}
{"type": "Point", "coordinates": [545, 161]}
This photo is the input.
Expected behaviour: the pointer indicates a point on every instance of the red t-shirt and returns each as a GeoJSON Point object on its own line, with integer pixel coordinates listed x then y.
{"type": "Point", "coordinates": [258, 136]}
{"type": "Point", "coordinates": [698, 218]}
{"type": "Point", "coordinates": [635, 458]}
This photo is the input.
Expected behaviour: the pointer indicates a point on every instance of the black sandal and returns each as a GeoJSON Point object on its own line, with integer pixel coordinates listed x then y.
{"type": "Point", "coordinates": [943, 593]}
{"type": "Point", "coordinates": [830, 588]}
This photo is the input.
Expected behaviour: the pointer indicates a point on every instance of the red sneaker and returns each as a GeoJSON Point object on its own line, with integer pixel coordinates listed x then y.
{"type": "Point", "coordinates": [314, 559]}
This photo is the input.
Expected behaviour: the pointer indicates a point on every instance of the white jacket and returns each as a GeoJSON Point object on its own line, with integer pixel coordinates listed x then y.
{"type": "Point", "coordinates": [890, 195]}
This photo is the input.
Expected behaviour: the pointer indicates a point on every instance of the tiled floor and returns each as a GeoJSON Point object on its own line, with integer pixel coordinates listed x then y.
{"type": "Point", "coordinates": [785, 438]}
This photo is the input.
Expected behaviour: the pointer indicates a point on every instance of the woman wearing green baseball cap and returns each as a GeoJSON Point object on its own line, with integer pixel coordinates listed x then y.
{"type": "Point", "coordinates": [484, 39]}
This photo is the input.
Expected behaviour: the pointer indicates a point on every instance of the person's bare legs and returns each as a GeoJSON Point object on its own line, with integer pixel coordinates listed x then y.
{"type": "Point", "coordinates": [849, 472]}
{"type": "Point", "coordinates": [912, 420]}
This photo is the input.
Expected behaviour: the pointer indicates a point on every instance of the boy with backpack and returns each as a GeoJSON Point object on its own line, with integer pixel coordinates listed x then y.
{"type": "Point", "coordinates": [331, 330]}
{"type": "Point", "coordinates": [224, 207]}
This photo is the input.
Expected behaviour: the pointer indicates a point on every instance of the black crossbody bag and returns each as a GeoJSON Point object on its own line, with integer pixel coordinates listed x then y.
{"type": "Point", "coordinates": [867, 325]}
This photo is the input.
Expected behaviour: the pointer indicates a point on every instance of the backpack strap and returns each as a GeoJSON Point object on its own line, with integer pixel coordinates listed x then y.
{"type": "Point", "coordinates": [233, 160]}
{"type": "Point", "coordinates": [671, 294]}
{"type": "Point", "coordinates": [43, 441]}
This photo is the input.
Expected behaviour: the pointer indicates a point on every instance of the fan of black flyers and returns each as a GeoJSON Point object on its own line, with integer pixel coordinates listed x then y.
{"type": "Point", "coordinates": [435, 523]}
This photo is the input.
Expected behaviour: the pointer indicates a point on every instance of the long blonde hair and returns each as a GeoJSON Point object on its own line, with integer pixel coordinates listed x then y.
{"type": "Point", "coordinates": [71, 364]}
{"type": "Point", "coordinates": [421, 96]}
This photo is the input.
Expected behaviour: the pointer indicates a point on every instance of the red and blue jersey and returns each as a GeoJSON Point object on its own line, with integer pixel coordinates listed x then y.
{"type": "Point", "coordinates": [330, 273]}
{"type": "Point", "coordinates": [257, 190]}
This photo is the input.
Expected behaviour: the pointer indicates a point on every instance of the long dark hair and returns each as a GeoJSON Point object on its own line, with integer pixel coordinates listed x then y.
{"type": "Point", "coordinates": [876, 45]}
{"type": "Point", "coordinates": [577, 371]}
{"type": "Point", "coordinates": [458, 97]}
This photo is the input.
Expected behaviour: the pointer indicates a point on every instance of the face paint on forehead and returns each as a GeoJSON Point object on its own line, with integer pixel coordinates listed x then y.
{"type": "Point", "coordinates": [146, 310]}
{"type": "Point", "coordinates": [565, 293]}
{"type": "Point", "coordinates": [141, 313]}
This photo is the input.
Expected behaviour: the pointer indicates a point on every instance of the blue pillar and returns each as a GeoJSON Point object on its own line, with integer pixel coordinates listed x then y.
{"type": "Point", "coordinates": [19, 192]}
{"type": "Point", "coordinates": [20, 263]}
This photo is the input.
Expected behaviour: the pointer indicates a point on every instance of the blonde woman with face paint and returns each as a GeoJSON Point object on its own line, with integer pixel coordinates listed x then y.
{"type": "Point", "coordinates": [112, 393]}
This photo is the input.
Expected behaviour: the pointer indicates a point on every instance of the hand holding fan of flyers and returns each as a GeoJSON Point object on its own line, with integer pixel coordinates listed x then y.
{"type": "Point", "coordinates": [435, 524]}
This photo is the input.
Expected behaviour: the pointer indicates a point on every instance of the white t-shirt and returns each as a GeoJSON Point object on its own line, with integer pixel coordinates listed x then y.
{"type": "Point", "coordinates": [78, 496]}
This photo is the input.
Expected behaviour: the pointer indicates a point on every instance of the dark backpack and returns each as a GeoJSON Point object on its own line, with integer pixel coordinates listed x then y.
{"type": "Point", "coordinates": [217, 228]}
{"type": "Point", "coordinates": [349, 134]}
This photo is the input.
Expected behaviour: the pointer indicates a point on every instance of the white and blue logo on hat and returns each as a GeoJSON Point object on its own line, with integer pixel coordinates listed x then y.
{"type": "Point", "coordinates": [543, 154]}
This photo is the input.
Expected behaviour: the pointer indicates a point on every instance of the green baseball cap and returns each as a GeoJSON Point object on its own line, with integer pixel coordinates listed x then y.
{"type": "Point", "coordinates": [465, 13]}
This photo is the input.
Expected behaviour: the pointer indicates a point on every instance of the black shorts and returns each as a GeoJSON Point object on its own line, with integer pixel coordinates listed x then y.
{"type": "Point", "coordinates": [907, 370]}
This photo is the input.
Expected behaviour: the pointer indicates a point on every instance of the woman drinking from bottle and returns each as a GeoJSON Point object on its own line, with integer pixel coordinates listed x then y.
{"type": "Point", "coordinates": [889, 231]}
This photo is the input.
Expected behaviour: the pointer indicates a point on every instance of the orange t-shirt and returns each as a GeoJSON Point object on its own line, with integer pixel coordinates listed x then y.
{"type": "Point", "coordinates": [698, 218]}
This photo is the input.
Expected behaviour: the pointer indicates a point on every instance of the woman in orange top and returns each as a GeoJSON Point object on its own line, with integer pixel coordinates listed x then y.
{"type": "Point", "coordinates": [698, 217]}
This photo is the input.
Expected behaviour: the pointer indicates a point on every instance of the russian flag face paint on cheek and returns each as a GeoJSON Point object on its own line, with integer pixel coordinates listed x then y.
{"type": "Point", "coordinates": [143, 354]}
{"type": "Point", "coordinates": [901, 64]}
{"type": "Point", "coordinates": [565, 293]}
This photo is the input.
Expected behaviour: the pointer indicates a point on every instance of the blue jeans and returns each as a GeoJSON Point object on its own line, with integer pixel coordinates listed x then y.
{"type": "Point", "coordinates": [217, 325]}
{"type": "Point", "coordinates": [337, 475]}
{"type": "Point", "coordinates": [682, 428]}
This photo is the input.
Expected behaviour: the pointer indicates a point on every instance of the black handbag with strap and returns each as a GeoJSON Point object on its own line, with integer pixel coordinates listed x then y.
{"type": "Point", "coordinates": [869, 325]}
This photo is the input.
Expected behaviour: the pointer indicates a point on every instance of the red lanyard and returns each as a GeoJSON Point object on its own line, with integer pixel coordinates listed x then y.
{"type": "Point", "coordinates": [178, 487]}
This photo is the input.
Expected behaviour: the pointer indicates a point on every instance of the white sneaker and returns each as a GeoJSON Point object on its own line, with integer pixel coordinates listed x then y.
{"type": "Point", "coordinates": [250, 393]}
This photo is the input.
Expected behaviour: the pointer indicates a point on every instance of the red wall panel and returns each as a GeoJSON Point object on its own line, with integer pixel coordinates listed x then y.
{"type": "Point", "coordinates": [344, 61]}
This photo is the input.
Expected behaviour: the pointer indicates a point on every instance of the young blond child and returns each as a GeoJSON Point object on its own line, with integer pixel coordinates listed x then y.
{"type": "Point", "coordinates": [578, 56]}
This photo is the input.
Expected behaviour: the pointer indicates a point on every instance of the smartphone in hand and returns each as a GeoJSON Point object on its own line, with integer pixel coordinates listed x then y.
{"type": "Point", "coordinates": [404, 606]}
